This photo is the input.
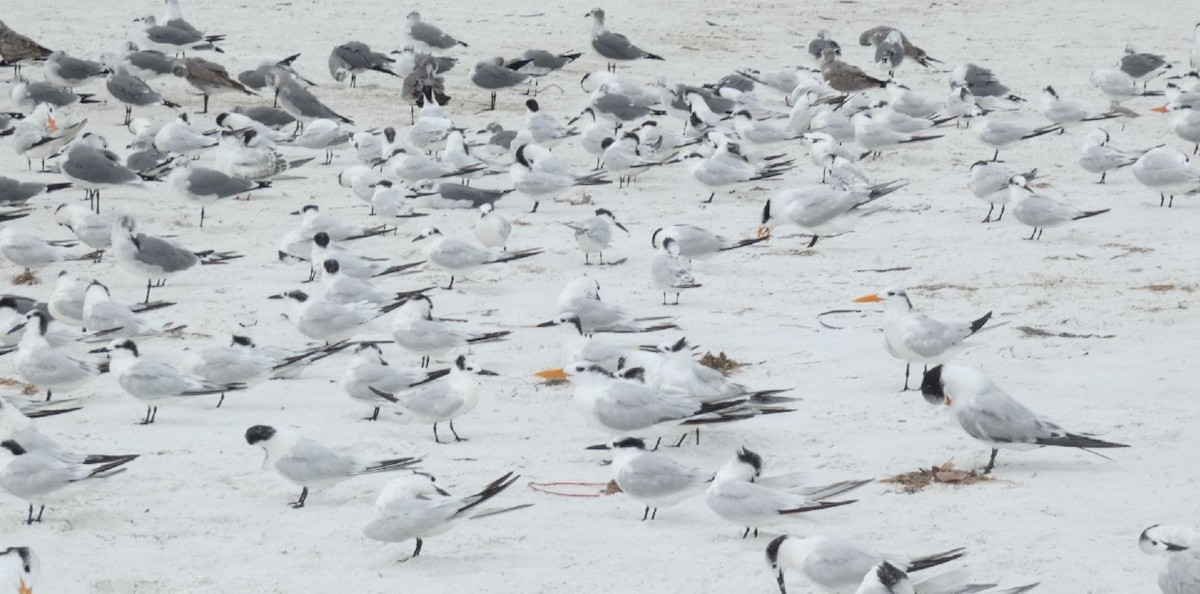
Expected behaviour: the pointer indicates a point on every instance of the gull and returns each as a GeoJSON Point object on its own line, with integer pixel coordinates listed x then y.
{"type": "Point", "coordinates": [989, 182]}
{"type": "Point", "coordinates": [889, 52]}
{"type": "Point", "coordinates": [1185, 121]}
{"type": "Point", "coordinates": [581, 297]}
{"type": "Point", "coordinates": [349, 263]}
{"type": "Point", "coordinates": [539, 63]}
{"type": "Point", "coordinates": [837, 565]}
{"type": "Point", "coordinates": [169, 39]}
{"type": "Point", "coordinates": [817, 46]}
{"type": "Point", "coordinates": [173, 17]}
{"type": "Point", "coordinates": [1181, 546]}
{"type": "Point", "coordinates": [65, 71]}
{"type": "Point", "coordinates": [617, 107]}
{"type": "Point", "coordinates": [370, 379]}
{"type": "Point", "coordinates": [887, 37]}
{"type": "Point", "coordinates": [27, 95]}
{"type": "Point", "coordinates": [16, 48]}
{"type": "Point", "coordinates": [309, 464]}
{"type": "Point", "coordinates": [208, 77]}
{"type": "Point", "coordinates": [329, 321]}
{"type": "Point", "coordinates": [323, 134]}
{"type": "Point", "coordinates": [207, 186]}
{"type": "Point", "coordinates": [916, 337]}
{"type": "Point", "coordinates": [493, 74]}
{"type": "Point", "coordinates": [875, 136]}
{"type": "Point", "coordinates": [736, 495]}
{"type": "Point", "coordinates": [1038, 211]}
{"type": "Point", "coordinates": [46, 367]}
{"type": "Point", "coordinates": [423, 34]}
{"type": "Point", "coordinates": [459, 257]}
{"type": "Point", "coordinates": [31, 252]}
{"type": "Point", "coordinates": [240, 157]}
{"type": "Point", "coordinates": [152, 258]}
{"type": "Point", "coordinates": [354, 57]}
{"type": "Point", "coordinates": [614, 46]}
{"type": "Point", "coordinates": [90, 165]}
{"type": "Point", "coordinates": [844, 77]}
{"type": "Point", "coordinates": [442, 399]}
{"type": "Point", "coordinates": [981, 82]}
{"type": "Point", "coordinates": [133, 92]}
{"type": "Point", "coordinates": [271, 117]}
{"type": "Point", "coordinates": [411, 60]}
{"type": "Point", "coordinates": [822, 210]}
{"type": "Point", "coordinates": [257, 79]}
{"type": "Point", "coordinates": [991, 416]}
{"type": "Point", "coordinates": [996, 134]}
{"type": "Point", "coordinates": [1067, 113]}
{"type": "Point", "coordinates": [115, 320]}
{"type": "Point", "coordinates": [299, 102]}
{"type": "Point", "coordinates": [1142, 67]}
{"type": "Point", "coordinates": [343, 288]}
{"type": "Point", "coordinates": [671, 272]}
{"type": "Point", "coordinates": [546, 131]}
{"type": "Point", "coordinates": [697, 243]}
{"type": "Point", "coordinates": [179, 137]}
{"type": "Point", "coordinates": [499, 145]}
{"type": "Point", "coordinates": [416, 330]}
{"type": "Point", "coordinates": [144, 64]}
{"type": "Point", "coordinates": [424, 85]}
{"type": "Point", "coordinates": [650, 479]}
{"type": "Point", "coordinates": [1118, 86]}
{"type": "Point", "coordinates": [1096, 155]}
{"type": "Point", "coordinates": [629, 408]}
{"type": "Point", "coordinates": [20, 568]}
{"type": "Point", "coordinates": [1168, 171]}
{"type": "Point", "coordinates": [492, 229]}
{"type": "Point", "coordinates": [413, 507]}
{"type": "Point", "coordinates": [595, 233]}
{"type": "Point", "coordinates": [39, 478]}
{"type": "Point", "coordinates": [154, 382]}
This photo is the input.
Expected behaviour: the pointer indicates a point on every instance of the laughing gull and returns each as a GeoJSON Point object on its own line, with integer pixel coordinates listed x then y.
{"type": "Point", "coordinates": [494, 74]}
{"type": "Point", "coordinates": [845, 77]}
{"type": "Point", "coordinates": [427, 35]}
{"type": "Point", "coordinates": [354, 57]}
{"type": "Point", "coordinates": [882, 36]}
{"type": "Point", "coordinates": [208, 77]}
{"type": "Point", "coordinates": [981, 82]}
{"type": "Point", "coordinates": [90, 165]}
{"type": "Point", "coordinates": [817, 46]}
{"type": "Point", "coordinates": [206, 186]}
{"type": "Point", "coordinates": [168, 39]}
{"type": "Point", "coordinates": [151, 258]}
{"type": "Point", "coordinates": [145, 64]}
{"type": "Point", "coordinates": [271, 117]}
{"type": "Point", "coordinates": [298, 102]}
{"type": "Point", "coordinates": [432, 194]}
{"type": "Point", "coordinates": [133, 91]}
{"type": "Point", "coordinates": [1142, 67]}
{"type": "Point", "coordinates": [541, 62]}
{"type": "Point", "coordinates": [257, 79]}
{"type": "Point", "coordinates": [17, 193]}
{"type": "Point", "coordinates": [66, 71]}
{"type": "Point", "coordinates": [28, 95]}
{"type": "Point", "coordinates": [614, 46]}
{"type": "Point", "coordinates": [16, 48]}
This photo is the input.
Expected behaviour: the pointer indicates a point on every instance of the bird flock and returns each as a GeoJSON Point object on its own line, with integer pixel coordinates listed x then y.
{"type": "Point", "coordinates": [802, 146]}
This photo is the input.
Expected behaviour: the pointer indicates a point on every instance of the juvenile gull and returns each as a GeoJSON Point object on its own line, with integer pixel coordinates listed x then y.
{"type": "Point", "coordinates": [208, 77]}
{"type": "Point", "coordinates": [16, 48]}
{"type": "Point", "coordinates": [354, 57]}
{"type": "Point", "coordinates": [845, 77]}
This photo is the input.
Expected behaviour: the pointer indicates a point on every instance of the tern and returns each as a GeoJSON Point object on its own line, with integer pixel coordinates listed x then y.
{"type": "Point", "coordinates": [1181, 546]}
{"type": "Point", "coordinates": [837, 565]}
{"type": "Point", "coordinates": [39, 478]}
{"type": "Point", "coordinates": [461, 258]}
{"type": "Point", "coordinates": [1038, 211]}
{"type": "Point", "coordinates": [651, 479]}
{"type": "Point", "coordinates": [153, 381]}
{"type": "Point", "coordinates": [595, 233]}
{"type": "Point", "coordinates": [416, 330]}
{"type": "Point", "coordinates": [442, 399]}
{"type": "Point", "coordinates": [370, 379]}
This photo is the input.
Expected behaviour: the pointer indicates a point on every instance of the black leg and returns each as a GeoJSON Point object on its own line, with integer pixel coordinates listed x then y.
{"type": "Point", "coordinates": [146, 421]}
{"type": "Point", "coordinates": [417, 551]}
{"type": "Point", "coordinates": [586, 261]}
{"type": "Point", "coordinates": [991, 462]}
{"type": "Point", "coordinates": [29, 520]}
{"type": "Point", "coordinates": [1162, 199]}
{"type": "Point", "coordinates": [221, 401]}
{"type": "Point", "coordinates": [746, 533]}
{"type": "Point", "coordinates": [710, 198]}
{"type": "Point", "coordinates": [201, 217]}
{"type": "Point", "coordinates": [681, 440]}
{"type": "Point", "coordinates": [645, 514]}
{"type": "Point", "coordinates": [147, 291]}
{"type": "Point", "coordinates": [697, 436]}
{"type": "Point", "coordinates": [814, 240]}
{"type": "Point", "coordinates": [988, 218]}
{"type": "Point", "coordinates": [38, 519]}
{"type": "Point", "coordinates": [779, 580]}
{"type": "Point", "coordinates": [664, 297]}
{"type": "Point", "coordinates": [1103, 174]}
{"type": "Point", "coordinates": [374, 416]}
{"type": "Point", "coordinates": [49, 393]}
{"type": "Point", "coordinates": [128, 115]}
{"type": "Point", "coordinates": [907, 368]}
{"type": "Point", "coordinates": [676, 298]}
{"type": "Point", "coordinates": [1032, 234]}
{"type": "Point", "coordinates": [456, 437]}
{"type": "Point", "coordinates": [299, 503]}
{"type": "Point", "coordinates": [435, 435]}
{"type": "Point", "coordinates": [654, 514]}
{"type": "Point", "coordinates": [1001, 213]}
{"type": "Point", "coordinates": [451, 285]}
{"type": "Point", "coordinates": [996, 156]}
{"type": "Point", "coordinates": [657, 442]}
{"type": "Point", "coordinates": [535, 205]}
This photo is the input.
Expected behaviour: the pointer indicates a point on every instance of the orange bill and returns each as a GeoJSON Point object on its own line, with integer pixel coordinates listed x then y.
{"type": "Point", "coordinates": [552, 374]}
{"type": "Point", "coordinates": [763, 231]}
{"type": "Point", "coordinates": [872, 298]}
{"type": "Point", "coordinates": [51, 124]}
{"type": "Point", "coordinates": [1160, 109]}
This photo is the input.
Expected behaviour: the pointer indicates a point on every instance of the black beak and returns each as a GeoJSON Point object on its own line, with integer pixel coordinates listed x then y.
{"type": "Point", "coordinates": [294, 212]}
{"type": "Point", "coordinates": [648, 348]}
{"type": "Point", "coordinates": [602, 446]}
{"type": "Point", "coordinates": [279, 296]}
{"type": "Point", "coordinates": [99, 350]}
{"type": "Point", "coordinates": [418, 238]}
{"type": "Point", "coordinates": [486, 372]}
{"type": "Point", "coordinates": [547, 324]}
{"type": "Point", "coordinates": [620, 226]}
{"type": "Point", "coordinates": [17, 327]}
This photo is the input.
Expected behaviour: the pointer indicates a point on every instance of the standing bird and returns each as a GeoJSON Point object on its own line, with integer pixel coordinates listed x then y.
{"type": "Point", "coordinates": [207, 186]}
{"type": "Point", "coordinates": [307, 463]}
{"type": "Point", "coordinates": [460, 257]}
{"type": "Point", "coordinates": [492, 75]}
{"type": "Point", "coordinates": [883, 35]}
{"type": "Point", "coordinates": [844, 77]}
{"type": "Point", "coordinates": [1185, 120]}
{"type": "Point", "coordinates": [916, 337]}
{"type": "Point", "coordinates": [1038, 211]}
{"type": "Point", "coordinates": [423, 34]}
{"type": "Point", "coordinates": [442, 399]}
{"type": "Point", "coordinates": [595, 233]}
{"type": "Point", "coordinates": [46, 367]}
{"type": "Point", "coordinates": [996, 134]}
{"type": "Point", "coordinates": [492, 229]}
{"type": "Point", "coordinates": [91, 166]}
{"type": "Point", "coordinates": [1142, 67]}
{"type": "Point", "coordinates": [614, 46]}
{"type": "Point", "coordinates": [370, 379]}
{"type": "Point", "coordinates": [696, 243]}
{"type": "Point", "coordinates": [155, 259]}
{"type": "Point", "coordinates": [990, 415]}
{"type": "Point", "coordinates": [208, 78]}
{"type": "Point", "coordinates": [18, 193]}
{"type": "Point", "coordinates": [16, 49]}
{"type": "Point", "coordinates": [133, 92]}
{"type": "Point", "coordinates": [299, 102]}
{"type": "Point", "coordinates": [1067, 113]}
{"type": "Point", "coordinates": [66, 71]}
{"type": "Point", "coordinates": [650, 479]}
{"type": "Point", "coordinates": [1167, 171]}
{"type": "Point", "coordinates": [670, 272]}
{"type": "Point", "coordinates": [817, 46]}
{"type": "Point", "coordinates": [822, 210]}
{"type": "Point", "coordinates": [153, 381]}
{"type": "Point", "coordinates": [414, 329]}
{"type": "Point", "coordinates": [414, 507]}
{"type": "Point", "coordinates": [1096, 155]}
{"type": "Point", "coordinates": [31, 252]}
{"type": "Point", "coordinates": [354, 57]}
{"type": "Point", "coordinates": [39, 478]}
{"type": "Point", "coordinates": [989, 182]}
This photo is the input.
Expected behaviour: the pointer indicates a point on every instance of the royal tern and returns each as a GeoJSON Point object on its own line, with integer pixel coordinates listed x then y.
{"type": "Point", "coordinates": [915, 337]}
{"type": "Point", "coordinates": [650, 479]}
{"type": "Point", "coordinates": [991, 416]}
{"type": "Point", "coordinates": [1038, 211]}
{"type": "Point", "coordinates": [1185, 121]}
{"type": "Point", "coordinates": [309, 464]}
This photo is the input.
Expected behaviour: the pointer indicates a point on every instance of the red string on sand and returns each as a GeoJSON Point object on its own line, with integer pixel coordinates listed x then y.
{"type": "Point", "coordinates": [542, 488]}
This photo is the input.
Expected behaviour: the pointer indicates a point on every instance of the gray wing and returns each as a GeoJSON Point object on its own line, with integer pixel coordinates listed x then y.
{"type": "Point", "coordinates": [157, 252]}
{"type": "Point", "coordinates": [655, 476]}
{"type": "Point", "coordinates": [997, 417]}
{"type": "Point", "coordinates": [839, 564]}
{"type": "Point", "coordinates": [983, 83]}
{"type": "Point", "coordinates": [34, 475]}
{"type": "Point", "coordinates": [631, 406]}
{"type": "Point", "coordinates": [874, 35]}
{"type": "Point", "coordinates": [152, 61]}
{"type": "Point", "coordinates": [131, 89]}
{"type": "Point", "coordinates": [434, 400]}
{"type": "Point", "coordinates": [305, 103]}
{"type": "Point", "coordinates": [95, 167]}
{"type": "Point", "coordinates": [255, 79]}
{"type": "Point", "coordinates": [210, 182]}
{"type": "Point", "coordinates": [432, 36]}
{"type": "Point", "coordinates": [409, 518]}
{"type": "Point", "coordinates": [544, 59]}
{"type": "Point", "coordinates": [491, 76]}
{"type": "Point", "coordinates": [454, 254]}
{"type": "Point", "coordinates": [310, 463]}
{"type": "Point", "coordinates": [616, 46]}
{"type": "Point", "coordinates": [74, 68]}
{"type": "Point", "coordinates": [172, 36]}
{"type": "Point", "coordinates": [620, 106]}
{"type": "Point", "coordinates": [928, 337]}
{"type": "Point", "coordinates": [15, 192]}
{"type": "Point", "coordinates": [477, 196]}
{"type": "Point", "coordinates": [48, 93]}
{"type": "Point", "coordinates": [149, 378]}
{"type": "Point", "coordinates": [1138, 65]}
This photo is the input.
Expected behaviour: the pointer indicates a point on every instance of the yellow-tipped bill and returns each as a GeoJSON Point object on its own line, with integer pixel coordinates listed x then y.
{"type": "Point", "coordinates": [552, 374]}
{"type": "Point", "coordinates": [872, 298]}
